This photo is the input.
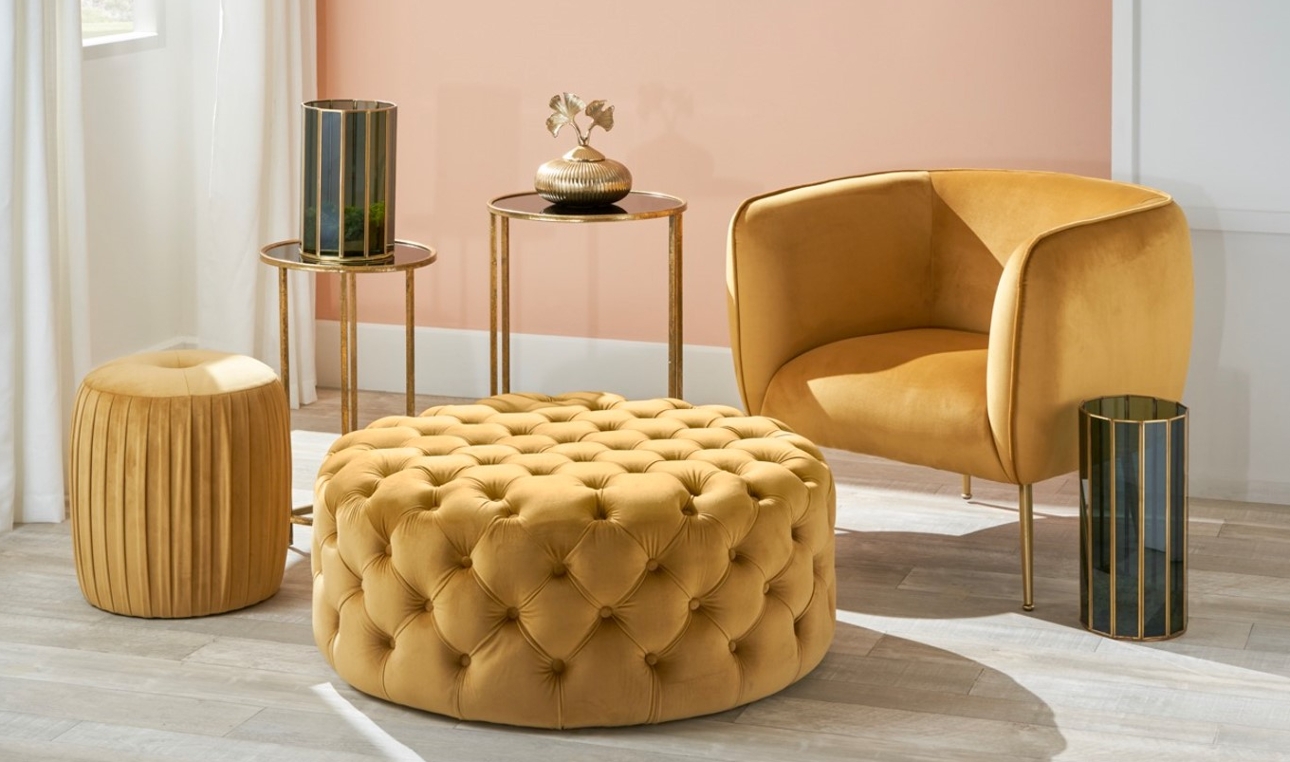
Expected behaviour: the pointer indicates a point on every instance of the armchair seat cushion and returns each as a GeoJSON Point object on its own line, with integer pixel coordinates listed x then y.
{"type": "Point", "coordinates": [915, 395]}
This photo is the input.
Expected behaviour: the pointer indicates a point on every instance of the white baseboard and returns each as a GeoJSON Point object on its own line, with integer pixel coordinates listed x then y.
{"type": "Point", "coordinates": [175, 342]}
{"type": "Point", "coordinates": [1277, 493]}
{"type": "Point", "coordinates": [455, 363]}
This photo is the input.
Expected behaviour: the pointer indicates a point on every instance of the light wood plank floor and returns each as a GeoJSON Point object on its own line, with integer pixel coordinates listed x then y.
{"type": "Point", "coordinates": [933, 658]}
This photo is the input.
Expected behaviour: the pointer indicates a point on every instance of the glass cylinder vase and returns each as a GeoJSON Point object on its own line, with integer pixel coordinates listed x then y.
{"type": "Point", "coordinates": [347, 180]}
{"type": "Point", "coordinates": [1133, 517]}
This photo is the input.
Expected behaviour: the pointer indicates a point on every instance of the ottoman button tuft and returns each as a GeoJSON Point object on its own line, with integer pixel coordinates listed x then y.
{"type": "Point", "coordinates": [554, 581]}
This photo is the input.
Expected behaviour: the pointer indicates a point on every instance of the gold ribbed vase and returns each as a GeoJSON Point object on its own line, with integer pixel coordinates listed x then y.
{"type": "Point", "coordinates": [583, 177]}
{"type": "Point", "coordinates": [180, 484]}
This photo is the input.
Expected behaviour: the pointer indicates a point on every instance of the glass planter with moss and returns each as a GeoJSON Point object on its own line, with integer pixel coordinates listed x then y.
{"type": "Point", "coordinates": [347, 180]}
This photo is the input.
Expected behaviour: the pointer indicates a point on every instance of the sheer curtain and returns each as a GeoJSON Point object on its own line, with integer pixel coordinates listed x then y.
{"type": "Point", "coordinates": [265, 67]}
{"type": "Point", "coordinates": [43, 322]}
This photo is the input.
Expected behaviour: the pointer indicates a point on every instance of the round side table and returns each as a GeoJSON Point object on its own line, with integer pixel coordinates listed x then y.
{"type": "Point", "coordinates": [408, 258]}
{"type": "Point", "coordinates": [637, 205]}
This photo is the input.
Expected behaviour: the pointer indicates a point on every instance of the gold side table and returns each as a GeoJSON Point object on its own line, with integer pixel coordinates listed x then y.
{"type": "Point", "coordinates": [638, 205]}
{"type": "Point", "coordinates": [408, 258]}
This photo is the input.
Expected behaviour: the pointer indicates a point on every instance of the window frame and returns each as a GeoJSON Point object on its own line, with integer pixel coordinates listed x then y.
{"type": "Point", "coordinates": [147, 33]}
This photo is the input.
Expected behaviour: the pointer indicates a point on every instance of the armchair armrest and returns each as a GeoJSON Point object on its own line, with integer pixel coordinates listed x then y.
{"type": "Point", "coordinates": [816, 264]}
{"type": "Point", "coordinates": [1099, 307]}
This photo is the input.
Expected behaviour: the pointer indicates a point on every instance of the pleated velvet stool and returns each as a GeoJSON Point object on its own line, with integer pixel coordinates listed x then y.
{"type": "Point", "coordinates": [180, 483]}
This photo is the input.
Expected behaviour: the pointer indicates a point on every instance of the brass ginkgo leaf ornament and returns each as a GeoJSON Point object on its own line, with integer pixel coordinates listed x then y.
{"type": "Point", "coordinates": [583, 176]}
{"type": "Point", "coordinates": [565, 108]}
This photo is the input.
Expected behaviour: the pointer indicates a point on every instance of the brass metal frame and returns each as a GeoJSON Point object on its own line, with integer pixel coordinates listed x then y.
{"type": "Point", "coordinates": [315, 112]}
{"type": "Point", "coordinates": [1026, 522]}
{"type": "Point", "coordinates": [1026, 518]}
{"type": "Point", "coordinates": [1086, 524]}
{"type": "Point", "coordinates": [500, 215]}
{"type": "Point", "coordinates": [408, 258]}
{"type": "Point", "coordinates": [1086, 518]}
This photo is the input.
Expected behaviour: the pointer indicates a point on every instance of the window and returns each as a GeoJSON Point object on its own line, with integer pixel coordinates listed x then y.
{"type": "Point", "coordinates": [109, 26]}
{"type": "Point", "coordinates": [103, 18]}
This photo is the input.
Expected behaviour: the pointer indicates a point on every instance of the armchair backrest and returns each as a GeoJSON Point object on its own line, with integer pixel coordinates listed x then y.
{"type": "Point", "coordinates": [981, 217]}
{"type": "Point", "coordinates": [855, 256]}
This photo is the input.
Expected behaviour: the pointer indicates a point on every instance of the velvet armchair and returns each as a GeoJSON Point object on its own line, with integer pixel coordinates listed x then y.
{"type": "Point", "coordinates": [957, 318]}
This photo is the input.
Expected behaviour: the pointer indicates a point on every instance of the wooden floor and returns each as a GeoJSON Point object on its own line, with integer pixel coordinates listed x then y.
{"type": "Point", "coordinates": [933, 659]}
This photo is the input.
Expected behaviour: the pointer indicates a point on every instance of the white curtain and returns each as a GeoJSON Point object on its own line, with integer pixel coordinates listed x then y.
{"type": "Point", "coordinates": [266, 66]}
{"type": "Point", "coordinates": [43, 322]}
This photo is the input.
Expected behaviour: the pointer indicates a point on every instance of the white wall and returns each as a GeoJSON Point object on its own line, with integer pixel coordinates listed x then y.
{"type": "Point", "coordinates": [1202, 110]}
{"type": "Point", "coordinates": [140, 182]}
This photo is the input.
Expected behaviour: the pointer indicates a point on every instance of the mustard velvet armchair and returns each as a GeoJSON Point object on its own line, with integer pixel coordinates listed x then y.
{"type": "Point", "coordinates": [957, 318]}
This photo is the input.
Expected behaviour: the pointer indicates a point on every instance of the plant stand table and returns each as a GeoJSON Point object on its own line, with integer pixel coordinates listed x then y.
{"type": "Point", "coordinates": [408, 258]}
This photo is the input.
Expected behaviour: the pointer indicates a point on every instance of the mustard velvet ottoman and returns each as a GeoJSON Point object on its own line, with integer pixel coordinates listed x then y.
{"type": "Point", "coordinates": [180, 484]}
{"type": "Point", "coordinates": [571, 561]}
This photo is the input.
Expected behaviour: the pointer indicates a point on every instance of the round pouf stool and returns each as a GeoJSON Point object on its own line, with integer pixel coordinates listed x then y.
{"type": "Point", "coordinates": [570, 561]}
{"type": "Point", "coordinates": [180, 483]}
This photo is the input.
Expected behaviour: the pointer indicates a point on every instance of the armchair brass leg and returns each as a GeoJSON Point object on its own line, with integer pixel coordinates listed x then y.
{"type": "Point", "coordinates": [1026, 517]}
{"type": "Point", "coordinates": [967, 486]}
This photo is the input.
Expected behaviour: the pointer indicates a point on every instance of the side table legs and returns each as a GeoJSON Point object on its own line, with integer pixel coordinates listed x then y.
{"type": "Point", "coordinates": [493, 223]}
{"type": "Point", "coordinates": [349, 344]}
{"type": "Point", "coordinates": [499, 305]}
{"type": "Point", "coordinates": [346, 424]}
{"type": "Point", "coordinates": [499, 241]}
{"type": "Point", "coordinates": [674, 329]}
{"type": "Point", "coordinates": [349, 282]}
{"type": "Point", "coordinates": [299, 514]}
{"type": "Point", "coordinates": [406, 257]}
{"type": "Point", "coordinates": [284, 353]}
{"type": "Point", "coordinates": [409, 341]}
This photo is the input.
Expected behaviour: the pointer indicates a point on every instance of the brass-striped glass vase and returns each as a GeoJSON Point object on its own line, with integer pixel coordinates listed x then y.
{"type": "Point", "coordinates": [1133, 517]}
{"type": "Point", "coordinates": [347, 180]}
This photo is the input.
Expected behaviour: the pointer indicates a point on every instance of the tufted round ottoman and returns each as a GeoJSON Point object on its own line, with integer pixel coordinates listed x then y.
{"type": "Point", "coordinates": [180, 483]}
{"type": "Point", "coordinates": [573, 561]}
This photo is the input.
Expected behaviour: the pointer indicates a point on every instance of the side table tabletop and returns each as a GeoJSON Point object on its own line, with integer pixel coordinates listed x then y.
{"type": "Point", "coordinates": [637, 205]}
{"type": "Point", "coordinates": [408, 257]}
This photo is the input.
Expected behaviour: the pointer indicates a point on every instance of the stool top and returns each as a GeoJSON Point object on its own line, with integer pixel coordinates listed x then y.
{"type": "Point", "coordinates": [179, 373]}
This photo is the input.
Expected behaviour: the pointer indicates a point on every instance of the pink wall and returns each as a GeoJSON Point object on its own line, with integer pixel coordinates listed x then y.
{"type": "Point", "coordinates": [715, 101]}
